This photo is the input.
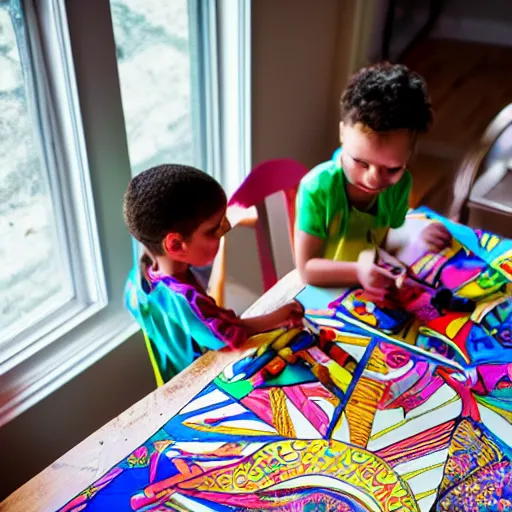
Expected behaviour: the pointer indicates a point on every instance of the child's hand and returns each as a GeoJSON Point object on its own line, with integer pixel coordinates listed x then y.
{"type": "Point", "coordinates": [375, 280]}
{"type": "Point", "coordinates": [436, 237]}
{"type": "Point", "coordinates": [290, 315]}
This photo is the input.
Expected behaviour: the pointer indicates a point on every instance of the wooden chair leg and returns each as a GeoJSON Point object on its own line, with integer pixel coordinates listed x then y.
{"type": "Point", "coordinates": [263, 240]}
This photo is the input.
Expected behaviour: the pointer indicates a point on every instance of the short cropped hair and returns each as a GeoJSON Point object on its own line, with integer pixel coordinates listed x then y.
{"type": "Point", "coordinates": [386, 97]}
{"type": "Point", "coordinates": [167, 199]}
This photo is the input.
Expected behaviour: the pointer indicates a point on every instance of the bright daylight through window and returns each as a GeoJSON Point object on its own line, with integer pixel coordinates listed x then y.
{"type": "Point", "coordinates": [33, 274]}
{"type": "Point", "coordinates": [72, 133]}
{"type": "Point", "coordinates": [52, 280]}
{"type": "Point", "coordinates": [158, 73]}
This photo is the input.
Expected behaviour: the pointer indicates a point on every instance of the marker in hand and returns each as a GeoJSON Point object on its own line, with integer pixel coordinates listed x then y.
{"type": "Point", "coordinates": [395, 267]}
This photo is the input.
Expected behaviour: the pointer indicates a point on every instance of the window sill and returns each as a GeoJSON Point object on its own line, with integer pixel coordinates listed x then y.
{"type": "Point", "coordinates": [36, 377]}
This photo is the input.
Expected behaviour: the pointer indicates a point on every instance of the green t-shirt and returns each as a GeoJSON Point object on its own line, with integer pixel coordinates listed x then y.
{"type": "Point", "coordinates": [323, 210]}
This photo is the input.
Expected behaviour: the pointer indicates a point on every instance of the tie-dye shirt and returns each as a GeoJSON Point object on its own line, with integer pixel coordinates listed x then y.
{"type": "Point", "coordinates": [180, 320]}
{"type": "Point", "coordinates": [224, 323]}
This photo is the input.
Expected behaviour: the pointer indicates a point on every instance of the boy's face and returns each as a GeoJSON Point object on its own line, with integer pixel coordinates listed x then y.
{"type": "Point", "coordinates": [373, 162]}
{"type": "Point", "coordinates": [202, 246]}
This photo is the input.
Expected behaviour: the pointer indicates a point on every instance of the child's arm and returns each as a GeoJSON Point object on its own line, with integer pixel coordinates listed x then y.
{"type": "Point", "coordinates": [318, 271]}
{"type": "Point", "coordinates": [234, 331]}
{"type": "Point", "coordinates": [434, 237]}
{"type": "Point", "coordinates": [289, 315]}
{"type": "Point", "coordinates": [314, 197]}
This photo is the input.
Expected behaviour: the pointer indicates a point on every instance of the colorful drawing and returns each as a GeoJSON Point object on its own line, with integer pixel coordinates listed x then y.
{"type": "Point", "coordinates": [400, 406]}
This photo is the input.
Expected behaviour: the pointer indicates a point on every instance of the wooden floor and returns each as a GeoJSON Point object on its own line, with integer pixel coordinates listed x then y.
{"type": "Point", "coordinates": [469, 83]}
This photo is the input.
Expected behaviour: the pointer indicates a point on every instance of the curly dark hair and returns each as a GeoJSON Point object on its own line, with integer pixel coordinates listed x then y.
{"type": "Point", "coordinates": [386, 97]}
{"type": "Point", "coordinates": [169, 198]}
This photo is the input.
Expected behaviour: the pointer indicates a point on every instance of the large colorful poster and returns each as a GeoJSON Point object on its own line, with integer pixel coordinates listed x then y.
{"type": "Point", "coordinates": [404, 405]}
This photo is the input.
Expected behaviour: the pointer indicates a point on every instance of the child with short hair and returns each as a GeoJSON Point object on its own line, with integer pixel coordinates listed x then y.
{"type": "Point", "coordinates": [346, 206]}
{"type": "Point", "coordinates": [178, 213]}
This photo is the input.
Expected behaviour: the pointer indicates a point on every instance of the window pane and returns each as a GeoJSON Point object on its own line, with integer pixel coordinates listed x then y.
{"type": "Point", "coordinates": [32, 279]}
{"type": "Point", "coordinates": [153, 46]}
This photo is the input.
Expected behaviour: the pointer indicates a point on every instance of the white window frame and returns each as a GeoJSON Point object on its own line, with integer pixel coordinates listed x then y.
{"type": "Point", "coordinates": [87, 124]}
{"type": "Point", "coordinates": [234, 64]}
{"type": "Point", "coordinates": [72, 201]}
{"type": "Point", "coordinates": [225, 44]}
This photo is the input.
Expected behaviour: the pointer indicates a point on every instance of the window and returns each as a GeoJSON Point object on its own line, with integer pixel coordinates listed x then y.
{"type": "Point", "coordinates": [184, 71]}
{"type": "Point", "coordinates": [31, 248]}
{"type": "Point", "coordinates": [49, 255]}
{"type": "Point", "coordinates": [51, 271]}
{"type": "Point", "coordinates": [158, 73]}
{"type": "Point", "coordinates": [91, 92]}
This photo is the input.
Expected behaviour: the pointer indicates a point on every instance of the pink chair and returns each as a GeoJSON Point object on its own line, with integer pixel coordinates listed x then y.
{"type": "Point", "coordinates": [247, 208]}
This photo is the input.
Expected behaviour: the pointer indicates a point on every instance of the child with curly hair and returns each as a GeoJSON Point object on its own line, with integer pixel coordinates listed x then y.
{"type": "Point", "coordinates": [178, 214]}
{"type": "Point", "coordinates": [346, 206]}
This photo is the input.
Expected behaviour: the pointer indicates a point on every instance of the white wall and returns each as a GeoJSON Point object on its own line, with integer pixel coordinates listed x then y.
{"type": "Point", "coordinates": [299, 61]}
{"type": "Point", "coordinates": [293, 45]}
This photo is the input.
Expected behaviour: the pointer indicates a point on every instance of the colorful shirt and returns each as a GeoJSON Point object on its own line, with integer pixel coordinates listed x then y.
{"type": "Point", "coordinates": [179, 319]}
{"type": "Point", "coordinates": [323, 210]}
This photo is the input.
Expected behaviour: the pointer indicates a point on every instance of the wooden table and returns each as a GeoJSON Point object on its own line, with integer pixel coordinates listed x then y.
{"type": "Point", "coordinates": [89, 460]}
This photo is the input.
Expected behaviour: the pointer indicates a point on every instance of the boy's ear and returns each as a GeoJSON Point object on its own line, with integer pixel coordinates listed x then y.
{"type": "Point", "coordinates": [342, 127]}
{"type": "Point", "coordinates": [174, 244]}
